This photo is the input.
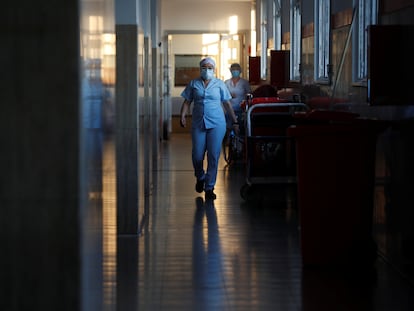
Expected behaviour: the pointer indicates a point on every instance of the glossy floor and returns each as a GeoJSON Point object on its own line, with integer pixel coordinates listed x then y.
{"type": "Point", "coordinates": [225, 254]}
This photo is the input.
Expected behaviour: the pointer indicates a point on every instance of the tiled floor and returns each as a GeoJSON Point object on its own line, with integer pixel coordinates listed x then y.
{"type": "Point", "coordinates": [225, 254]}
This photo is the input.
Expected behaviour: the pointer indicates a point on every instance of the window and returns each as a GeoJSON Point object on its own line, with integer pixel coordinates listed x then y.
{"type": "Point", "coordinates": [263, 38]}
{"type": "Point", "coordinates": [322, 40]}
{"type": "Point", "coordinates": [295, 39]}
{"type": "Point", "coordinates": [277, 31]}
{"type": "Point", "coordinates": [366, 15]}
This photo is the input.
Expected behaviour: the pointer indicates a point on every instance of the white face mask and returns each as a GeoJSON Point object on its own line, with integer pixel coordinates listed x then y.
{"type": "Point", "coordinates": [207, 73]}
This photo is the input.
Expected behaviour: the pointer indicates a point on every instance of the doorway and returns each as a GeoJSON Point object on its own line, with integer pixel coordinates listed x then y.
{"type": "Point", "coordinates": [184, 51]}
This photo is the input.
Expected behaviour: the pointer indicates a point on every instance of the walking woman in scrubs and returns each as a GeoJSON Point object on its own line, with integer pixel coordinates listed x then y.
{"type": "Point", "coordinates": [209, 95]}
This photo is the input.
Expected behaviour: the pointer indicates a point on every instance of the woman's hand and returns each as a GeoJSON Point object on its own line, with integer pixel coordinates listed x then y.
{"type": "Point", "coordinates": [183, 121]}
{"type": "Point", "coordinates": [183, 113]}
{"type": "Point", "coordinates": [236, 128]}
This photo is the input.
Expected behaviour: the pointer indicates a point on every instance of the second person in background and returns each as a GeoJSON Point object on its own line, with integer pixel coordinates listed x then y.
{"type": "Point", "coordinates": [238, 88]}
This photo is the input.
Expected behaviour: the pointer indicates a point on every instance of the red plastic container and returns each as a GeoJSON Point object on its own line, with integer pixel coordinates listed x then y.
{"type": "Point", "coordinates": [336, 175]}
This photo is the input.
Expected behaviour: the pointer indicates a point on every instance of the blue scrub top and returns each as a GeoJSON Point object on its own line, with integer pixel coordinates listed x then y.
{"type": "Point", "coordinates": [208, 110]}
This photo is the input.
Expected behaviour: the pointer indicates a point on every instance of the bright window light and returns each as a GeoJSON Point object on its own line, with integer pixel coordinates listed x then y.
{"type": "Point", "coordinates": [233, 24]}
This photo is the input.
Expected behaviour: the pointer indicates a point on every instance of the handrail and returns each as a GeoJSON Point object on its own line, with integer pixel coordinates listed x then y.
{"type": "Point", "coordinates": [249, 111]}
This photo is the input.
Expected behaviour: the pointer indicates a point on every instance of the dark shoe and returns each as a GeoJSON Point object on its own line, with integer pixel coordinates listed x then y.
{"type": "Point", "coordinates": [210, 195]}
{"type": "Point", "coordinates": [199, 187]}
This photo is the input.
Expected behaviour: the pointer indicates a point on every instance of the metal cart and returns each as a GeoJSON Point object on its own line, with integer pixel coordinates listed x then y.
{"type": "Point", "coordinates": [270, 154]}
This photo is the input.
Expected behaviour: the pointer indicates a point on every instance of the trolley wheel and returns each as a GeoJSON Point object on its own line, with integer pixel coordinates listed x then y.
{"type": "Point", "coordinates": [250, 193]}
{"type": "Point", "coordinates": [244, 191]}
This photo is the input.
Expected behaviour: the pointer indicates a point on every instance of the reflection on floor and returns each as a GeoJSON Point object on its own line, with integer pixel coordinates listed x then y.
{"type": "Point", "coordinates": [226, 254]}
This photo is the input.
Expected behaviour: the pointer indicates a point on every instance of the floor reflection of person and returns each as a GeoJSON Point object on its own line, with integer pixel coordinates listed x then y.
{"type": "Point", "coordinates": [207, 261]}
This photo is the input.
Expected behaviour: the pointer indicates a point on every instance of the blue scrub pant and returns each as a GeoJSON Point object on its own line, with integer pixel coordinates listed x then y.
{"type": "Point", "coordinates": [210, 141]}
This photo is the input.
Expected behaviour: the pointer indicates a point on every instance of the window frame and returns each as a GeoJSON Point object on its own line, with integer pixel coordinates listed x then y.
{"type": "Point", "coordinates": [323, 39]}
{"type": "Point", "coordinates": [263, 38]}
{"type": "Point", "coordinates": [367, 14]}
{"type": "Point", "coordinates": [277, 24]}
{"type": "Point", "coordinates": [295, 40]}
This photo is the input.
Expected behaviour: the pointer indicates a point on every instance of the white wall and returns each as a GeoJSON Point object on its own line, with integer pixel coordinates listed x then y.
{"type": "Point", "coordinates": [187, 44]}
{"type": "Point", "coordinates": [203, 16]}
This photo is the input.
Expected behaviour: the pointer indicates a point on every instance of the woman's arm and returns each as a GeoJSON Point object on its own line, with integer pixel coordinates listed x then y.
{"type": "Point", "coordinates": [184, 110]}
{"type": "Point", "coordinates": [230, 111]}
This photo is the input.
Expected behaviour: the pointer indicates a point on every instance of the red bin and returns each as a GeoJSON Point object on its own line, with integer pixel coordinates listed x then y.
{"type": "Point", "coordinates": [335, 179]}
